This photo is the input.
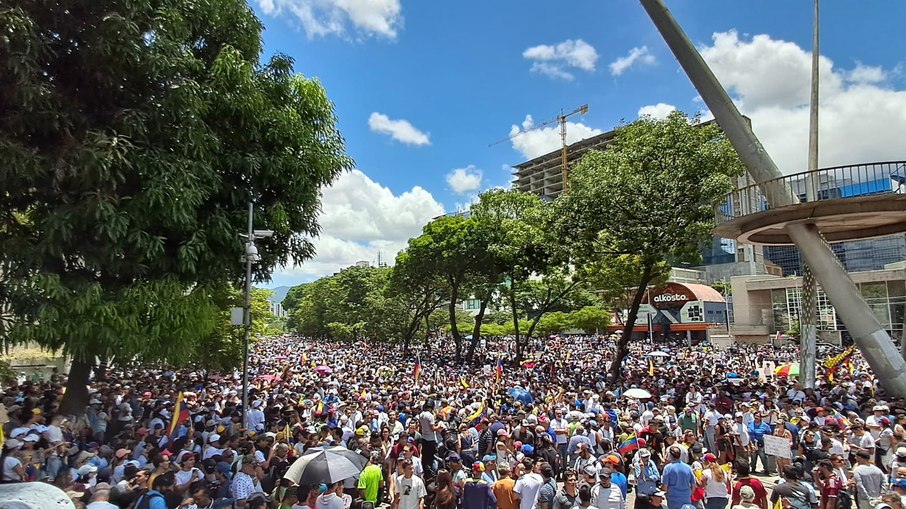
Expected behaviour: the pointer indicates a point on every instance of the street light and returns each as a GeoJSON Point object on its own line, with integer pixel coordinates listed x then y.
{"type": "Point", "coordinates": [251, 256]}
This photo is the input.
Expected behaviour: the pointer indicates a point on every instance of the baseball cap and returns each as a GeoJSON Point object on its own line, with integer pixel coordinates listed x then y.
{"type": "Point", "coordinates": [710, 457]}
{"type": "Point", "coordinates": [900, 483]}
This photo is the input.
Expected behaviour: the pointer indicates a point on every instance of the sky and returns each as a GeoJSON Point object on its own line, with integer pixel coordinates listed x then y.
{"type": "Point", "coordinates": [424, 90]}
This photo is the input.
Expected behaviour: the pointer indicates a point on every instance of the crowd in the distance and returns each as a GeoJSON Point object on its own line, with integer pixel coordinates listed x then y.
{"type": "Point", "coordinates": [548, 433]}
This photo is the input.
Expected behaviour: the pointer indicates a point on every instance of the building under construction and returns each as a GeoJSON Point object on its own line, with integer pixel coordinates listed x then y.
{"type": "Point", "coordinates": [543, 175]}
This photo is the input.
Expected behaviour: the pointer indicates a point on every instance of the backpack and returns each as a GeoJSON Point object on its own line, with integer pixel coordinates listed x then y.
{"type": "Point", "coordinates": [844, 500]}
{"type": "Point", "coordinates": [145, 501]}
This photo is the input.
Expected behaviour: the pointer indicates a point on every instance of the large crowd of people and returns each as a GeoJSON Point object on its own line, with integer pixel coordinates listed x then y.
{"type": "Point", "coordinates": [686, 427]}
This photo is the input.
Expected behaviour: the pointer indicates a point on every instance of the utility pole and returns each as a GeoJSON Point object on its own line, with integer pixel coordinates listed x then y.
{"type": "Point", "coordinates": [247, 311]}
{"type": "Point", "coordinates": [564, 151]}
{"type": "Point", "coordinates": [808, 312]}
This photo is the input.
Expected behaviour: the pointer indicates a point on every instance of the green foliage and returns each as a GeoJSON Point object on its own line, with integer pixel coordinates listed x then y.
{"type": "Point", "coordinates": [590, 319]}
{"type": "Point", "coordinates": [647, 200]}
{"type": "Point", "coordinates": [7, 374]}
{"type": "Point", "coordinates": [350, 304]}
{"type": "Point", "coordinates": [294, 297]}
{"type": "Point", "coordinates": [651, 193]}
{"type": "Point", "coordinates": [133, 136]}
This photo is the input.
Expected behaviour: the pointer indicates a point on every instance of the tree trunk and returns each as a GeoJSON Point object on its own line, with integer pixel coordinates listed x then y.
{"type": "Point", "coordinates": [476, 331]}
{"type": "Point", "coordinates": [515, 313]}
{"type": "Point", "coordinates": [75, 401]}
{"type": "Point", "coordinates": [616, 368]}
{"type": "Point", "coordinates": [454, 330]}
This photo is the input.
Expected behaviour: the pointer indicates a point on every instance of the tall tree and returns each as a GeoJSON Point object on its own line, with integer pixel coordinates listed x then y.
{"type": "Point", "coordinates": [415, 283]}
{"type": "Point", "coordinates": [651, 195]}
{"type": "Point", "coordinates": [520, 245]}
{"type": "Point", "coordinates": [133, 136]}
{"type": "Point", "coordinates": [450, 245]}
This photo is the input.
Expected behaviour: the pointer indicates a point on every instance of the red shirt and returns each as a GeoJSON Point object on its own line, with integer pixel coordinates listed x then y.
{"type": "Point", "coordinates": [761, 495]}
{"type": "Point", "coordinates": [831, 489]}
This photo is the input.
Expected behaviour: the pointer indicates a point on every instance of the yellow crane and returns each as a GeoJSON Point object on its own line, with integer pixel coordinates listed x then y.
{"type": "Point", "coordinates": [564, 153]}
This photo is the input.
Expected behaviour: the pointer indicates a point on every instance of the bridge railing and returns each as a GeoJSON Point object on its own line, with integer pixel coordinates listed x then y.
{"type": "Point", "coordinates": [838, 182]}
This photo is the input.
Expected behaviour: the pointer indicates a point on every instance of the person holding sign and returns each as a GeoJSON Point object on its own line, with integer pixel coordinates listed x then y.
{"type": "Point", "coordinates": [757, 431]}
{"type": "Point", "coordinates": [780, 431]}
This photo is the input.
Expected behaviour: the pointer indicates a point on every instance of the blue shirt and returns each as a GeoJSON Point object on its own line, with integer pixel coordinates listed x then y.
{"type": "Point", "coordinates": [758, 432]}
{"type": "Point", "coordinates": [156, 500]}
{"type": "Point", "coordinates": [678, 478]}
{"type": "Point", "coordinates": [619, 479]}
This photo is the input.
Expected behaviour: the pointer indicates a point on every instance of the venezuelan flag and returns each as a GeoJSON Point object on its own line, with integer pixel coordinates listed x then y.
{"type": "Point", "coordinates": [180, 414]}
{"type": "Point", "coordinates": [417, 370]}
{"type": "Point", "coordinates": [631, 444]}
{"type": "Point", "coordinates": [499, 370]}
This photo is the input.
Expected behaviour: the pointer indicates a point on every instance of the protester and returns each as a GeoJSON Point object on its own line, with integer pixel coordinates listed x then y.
{"type": "Point", "coordinates": [557, 412]}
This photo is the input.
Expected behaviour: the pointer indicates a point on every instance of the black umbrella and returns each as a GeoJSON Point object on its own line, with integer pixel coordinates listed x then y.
{"type": "Point", "coordinates": [325, 465]}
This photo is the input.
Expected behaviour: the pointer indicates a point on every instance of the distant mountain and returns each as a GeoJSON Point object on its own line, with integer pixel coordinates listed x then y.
{"type": "Point", "coordinates": [280, 293]}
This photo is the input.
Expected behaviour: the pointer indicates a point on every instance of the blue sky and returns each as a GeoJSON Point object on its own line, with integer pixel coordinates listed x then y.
{"type": "Point", "coordinates": [423, 87]}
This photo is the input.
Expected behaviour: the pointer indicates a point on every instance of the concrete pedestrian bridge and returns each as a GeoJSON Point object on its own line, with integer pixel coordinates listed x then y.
{"type": "Point", "coordinates": [849, 203]}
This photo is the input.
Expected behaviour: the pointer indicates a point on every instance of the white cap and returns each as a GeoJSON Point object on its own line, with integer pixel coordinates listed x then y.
{"type": "Point", "coordinates": [213, 438]}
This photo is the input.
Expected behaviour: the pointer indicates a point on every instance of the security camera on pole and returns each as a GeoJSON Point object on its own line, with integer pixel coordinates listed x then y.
{"type": "Point", "coordinates": [251, 256]}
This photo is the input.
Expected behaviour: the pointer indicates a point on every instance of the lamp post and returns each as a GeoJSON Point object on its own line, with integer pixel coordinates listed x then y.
{"type": "Point", "coordinates": [251, 256]}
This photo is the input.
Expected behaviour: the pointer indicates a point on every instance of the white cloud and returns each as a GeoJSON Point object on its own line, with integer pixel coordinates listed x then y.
{"type": "Point", "coordinates": [636, 56]}
{"type": "Point", "coordinates": [861, 117]}
{"type": "Point", "coordinates": [340, 17]}
{"type": "Point", "coordinates": [536, 142]}
{"type": "Point", "coordinates": [866, 74]}
{"type": "Point", "coordinates": [464, 180]}
{"type": "Point", "coordinates": [553, 71]}
{"type": "Point", "coordinates": [658, 111]}
{"type": "Point", "coordinates": [399, 130]}
{"type": "Point", "coordinates": [360, 218]}
{"type": "Point", "coordinates": [556, 60]}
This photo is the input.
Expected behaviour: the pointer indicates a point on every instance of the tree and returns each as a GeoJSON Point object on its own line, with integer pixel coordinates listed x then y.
{"type": "Point", "coordinates": [521, 245]}
{"type": "Point", "coordinates": [417, 287]}
{"type": "Point", "coordinates": [591, 319]}
{"type": "Point", "coordinates": [133, 137]}
{"type": "Point", "coordinates": [449, 246]}
{"type": "Point", "coordinates": [294, 297]}
{"type": "Point", "coordinates": [649, 195]}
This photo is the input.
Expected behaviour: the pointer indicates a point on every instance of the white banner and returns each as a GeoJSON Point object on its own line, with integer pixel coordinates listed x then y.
{"type": "Point", "coordinates": [777, 446]}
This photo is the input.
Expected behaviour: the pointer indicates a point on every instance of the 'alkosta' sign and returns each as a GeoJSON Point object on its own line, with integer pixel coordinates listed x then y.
{"type": "Point", "coordinates": [670, 297]}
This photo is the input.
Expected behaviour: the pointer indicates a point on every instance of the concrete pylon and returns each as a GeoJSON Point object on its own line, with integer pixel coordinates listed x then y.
{"type": "Point", "coordinates": [873, 340]}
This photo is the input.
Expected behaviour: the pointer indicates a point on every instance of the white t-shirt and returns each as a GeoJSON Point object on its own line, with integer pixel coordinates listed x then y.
{"type": "Point", "coordinates": [183, 476]}
{"type": "Point", "coordinates": [560, 424]}
{"type": "Point", "coordinates": [410, 491]}
{"type": "Point", "coordinates": [528, 487]}
{"type": "Point", "coordinates": [9, 466]}
{"type": "Point", "coordinates": [426, 425]}
{"type": "Point", "coordinates": [713, 487]}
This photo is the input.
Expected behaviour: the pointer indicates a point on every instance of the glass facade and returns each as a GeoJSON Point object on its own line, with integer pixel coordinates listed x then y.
{"type": "Point", "coordinates": [886, 299]}
{"type": "Point", "coordinates": [856, 256]}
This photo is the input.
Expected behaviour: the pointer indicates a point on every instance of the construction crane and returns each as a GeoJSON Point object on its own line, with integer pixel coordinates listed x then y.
{"type": "Point", "coordinates": [564, 153]}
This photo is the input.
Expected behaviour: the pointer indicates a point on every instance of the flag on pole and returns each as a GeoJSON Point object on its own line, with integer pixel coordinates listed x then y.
{"type": "Point", "coordinates": [650, 367]}
{"type": "Point", "coordinates": [841, 419]}
{"type": "Point", "coordinates": [180, 414]}
{"type": "Point", "coordinates": [631, 444]}
{"type": "Point", "coordinates": [417, 370]}
{"type": "Point", "coordinates": [833, 362]}
{"type": "Point", "coordinates": [499, 370]}
{"type": "Point", "coordinates": [478, 413]}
